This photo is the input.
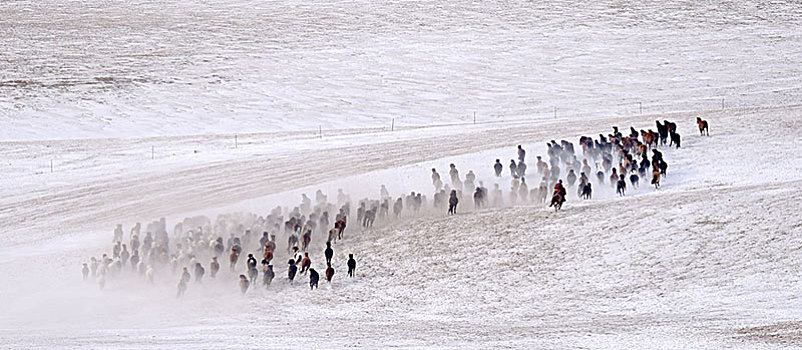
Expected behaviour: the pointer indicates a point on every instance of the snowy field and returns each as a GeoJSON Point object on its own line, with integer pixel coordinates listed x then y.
{"type": "Point", "coordinates": [708, 261]}
{"type": "Point", "coordinates": [140, 68]}
{"type": "Point", "coordinates": [123, 112]}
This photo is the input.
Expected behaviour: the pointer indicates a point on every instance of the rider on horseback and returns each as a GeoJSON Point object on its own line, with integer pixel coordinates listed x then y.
{"type": "Point", "coordinates": [560, 189]}
{"type": "Point", "coordinates": [558, 198]}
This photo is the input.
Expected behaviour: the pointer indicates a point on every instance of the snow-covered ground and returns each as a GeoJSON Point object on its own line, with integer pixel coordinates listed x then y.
{"type": "Point", "coordinates": [708, 261]}
{"type": "Point", "coordinates": [152, 68]}
{"type": "Point", "coordinates": [122, 112]}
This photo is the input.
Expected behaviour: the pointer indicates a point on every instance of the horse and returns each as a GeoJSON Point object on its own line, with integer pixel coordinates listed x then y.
{"type": "Point", "coordinates": [292, 240]}
{"type": "Point", "coordinates": [182, 288]}
{"type": "Point", "coordinates": [648, 138]}
{"type": "Point", "coordinates": [662, 130]}
{"type": "Point", "coordinates": [586, 143]}
{"type": "Point", "coordinates": [314, 277]}
{"type": "Point", "coordinates": [672, 127]}
{"type": "Point", "coordinates": [306, 263]}
{"type": "Point", "coordinates": [268, 256]}
{"type": "Point", "coordinates": [384, 209]}
{"type": "Point", "coordinates": [333, 234]}
{"type": "Point", "coordinates": [703, 127]}
{"type": "Point", "coordinates": [351, 265]}
{"type": "Point", "coordinates": [607, 162]}
{"type": "Point", "coordinates": [641, 149]}
{"type": "Point", "coordinates": [613, 178]}
{"type": "Point", "coordinates": [398, 207]}
{"type": "Point", "coordinates": [587, 191]}
{"type": "Point", "coordinates": [635, 180]}
{"type": "Point", "coordinates": [233, 258]}
{"type": "Point", "coordinates": [329, 253]}
{"type": "Point", "coordinates": [543, 192]}
{"type": "Point", "coordinates": [557, 201]}
{"type": "Point", "coordinates": [360, 213]}
{"type": "Point", "coordinates": [478, 198]}
{"type": "Point", "coordinates": [148, 274]}
{"type": "Point", "coordinates": [571, 178]}
{"type": "Point", "coordinates": [370, 216]}
{"type": "Point", "coordinates": [675, 139]}
{"type": "Point", "coordinates": [621, 186]}
{"type": "Point", "coordinates": [243, 284]}
{"type": "Point", "coordinates": [329, 273]}
{"type": "Point", "coordinates": [663, 166]}
{"type": "Point", "coordinates": [268, 275]}
{"type": "Point", "coordinates": [305, 239]}
{"type": "Point", "coordinates": [340, 226]}
{"type": "Point", "coordinates": [253, 273]}
{"type": "Point", "coordinates": [656, 178]}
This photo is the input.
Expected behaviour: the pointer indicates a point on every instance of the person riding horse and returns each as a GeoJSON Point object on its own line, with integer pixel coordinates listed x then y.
{"type": "Point", "coordinates": [560, 189]}
{"type": "Point", "coordinates": [558, 198]}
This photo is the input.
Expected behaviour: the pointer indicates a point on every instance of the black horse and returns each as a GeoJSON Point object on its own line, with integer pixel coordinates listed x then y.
{"type": "Point", "coordinates": [662, 130]}
{"type": "Point", "coordinates": [675, 139]}
{"type": "Point", "coordinates": [587, 191]}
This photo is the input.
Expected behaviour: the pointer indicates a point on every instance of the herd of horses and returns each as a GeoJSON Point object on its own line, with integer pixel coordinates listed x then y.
{"type": "Point", "coordinates": [197, 246]}
{"type": "Point", "coordinates": [626, 149]}
{"type": "Point", "coordinates": [617, 158]}
{"type": "Point", "coordinates": [613, 158]}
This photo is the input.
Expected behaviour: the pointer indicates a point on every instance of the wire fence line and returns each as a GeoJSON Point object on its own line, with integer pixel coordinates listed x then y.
{"type": "Point", "coordinates": [241, 141]}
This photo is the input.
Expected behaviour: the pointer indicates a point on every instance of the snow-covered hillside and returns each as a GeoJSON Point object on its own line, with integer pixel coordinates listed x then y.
{"type": "Point", "coordinates": [155, 68]}
{"type": "Point", "coordinates": [117, 112]}
{"type": "Point", "coordinates": [708, 261]}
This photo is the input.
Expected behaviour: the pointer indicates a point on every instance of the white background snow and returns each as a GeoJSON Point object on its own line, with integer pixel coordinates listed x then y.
{"type": "Point", "coordinates": [135, 104]}
{"type": "Point", "coordinates": [144, 68]}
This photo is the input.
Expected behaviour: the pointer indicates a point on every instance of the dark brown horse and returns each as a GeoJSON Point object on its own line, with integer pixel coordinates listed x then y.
{"type": "Point", "coordinates": [703, 129]}
{"type": "Point", "coordinates": [305, 239]}
{"type": "Point", "coordinates": [557, 201]}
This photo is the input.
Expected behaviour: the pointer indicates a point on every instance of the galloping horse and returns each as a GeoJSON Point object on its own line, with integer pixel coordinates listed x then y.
{"type": "Point", "coordinates": [662, 130]}
{"type": "Point", "coordinates": [557, 201]}
{"type": "Point", "coordinates": [649, 138]}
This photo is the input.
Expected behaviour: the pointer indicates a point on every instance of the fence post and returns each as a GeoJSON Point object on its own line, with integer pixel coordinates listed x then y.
{"type": "Point", "coordinates": [152, 153]}
{"type": "Point", "coordinates": [722, 103]}
{"type": "Point", "coordinates": [474, 118]}
{"type": "Point", "coordinates": [392, 125]}
{"type": "Point", "coordinates": [236, 142]}
{"type": "Point", "coordinates": [320, 130]}
{"type": "Point", "coordinates": [51, 166]}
